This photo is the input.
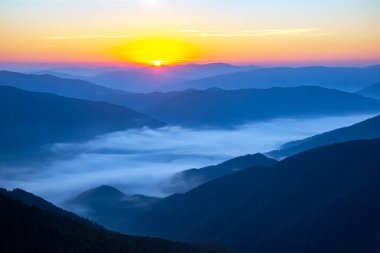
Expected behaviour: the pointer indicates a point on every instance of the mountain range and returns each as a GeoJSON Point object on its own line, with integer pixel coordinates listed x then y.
{"type": "Point", "coordinates": [343, 78]}
{"type": "Point", "coordinates": [211, 107]}
{"type": "Point", "coordinates": [198, 71]}
{"type": "Point", "coordinates": [323, 200]}
{"type": "Point", "coordinates": [372, 91]}
{"type": "Point", "coordinates": [31, 120]}
{"type": "Point", "coordinates": [165, 78]}
{"type": "Point", "coordinates": [147, 80]}
{"type": "Point", "coordinates": [80, 72]}
{"type": "Point", "coordinates": [27, 226]}
{"type": "Point", "coordinates": [226, 76]}
{"type": "Point", "coordinates": [189, 179]}
{"type": "Point", "coordinates": [74, 88]}
{"type": "Point", "coordinates": [104, 203]}
{"type": "Point", "coordinates": [368, 129]}
{"type": "Point", "coordinates": [323, 196]}
{"type": "Point", "coordinates": [225, 108]}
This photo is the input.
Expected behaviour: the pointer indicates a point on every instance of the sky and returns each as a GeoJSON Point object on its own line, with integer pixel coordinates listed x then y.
{"type": "Point", "coordinates": [262, 32]}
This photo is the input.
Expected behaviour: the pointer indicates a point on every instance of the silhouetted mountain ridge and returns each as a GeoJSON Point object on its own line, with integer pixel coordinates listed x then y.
{"type": "Point", "coordinates": [317, 201]}
{"type": "Point", "coordinates": [189, 179]}
{"type": "Point", "coordinates": [368, 129]}
{"type": "Point", "coordinates": [105, 204]}
{"type": "Point", "coordinates": [104, 191]}
{"type": "Point", "coordinates": [28, 228]}
{"type": "Point", "coordinates": [74, 88]}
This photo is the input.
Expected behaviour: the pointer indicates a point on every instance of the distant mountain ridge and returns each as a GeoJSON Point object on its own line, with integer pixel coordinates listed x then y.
{"type": "Point", "coordinates": [231, 77]}
{"type": "Point", "coordinates": [30, 120]}
{"type": "Point", "coordinates": [197, 71]}
{"type": "Point", "coordinates": [221, 75]}
{"type": "Point", "coordinates": [343, 78]}
{"type": "Point", "coordinates": [372, 91]}
{"type": "Point", "coordinates": [165, 78]}
{"type": "Point", "coordinates": [136, 81]}
{"type": "Point", "coordinates": [74, 88]}
{"type": "Point", "coordinates": [368, 129]}
{"type": "Point", "coordinates": [212, 107]}
{"type": "Point", "coordinates": [189, 179]}
{"type": "Point", "coordinates": [225, 108]}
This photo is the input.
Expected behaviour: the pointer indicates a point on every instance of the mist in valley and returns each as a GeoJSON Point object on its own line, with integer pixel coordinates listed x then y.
{"type": "Point", "coordinates": [141, 161]}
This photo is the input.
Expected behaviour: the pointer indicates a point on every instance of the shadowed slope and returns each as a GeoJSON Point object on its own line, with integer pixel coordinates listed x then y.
{"type": "Point", "coordinates": [222, 108]}
{"type": "Point", "coordinates": [324, 200]}
{"type": "Point", "coordinates": [25, 228]}
{"type": "Point", "coordinates": [189, 179]}
{"type": "Point", "coordinates": [30, 120]}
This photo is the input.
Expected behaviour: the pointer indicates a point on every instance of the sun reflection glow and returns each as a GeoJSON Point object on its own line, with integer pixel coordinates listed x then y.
{"type": "Point", "coordinates": [157, 63]}
{"type": "Point", "coordinates": [159, 51]}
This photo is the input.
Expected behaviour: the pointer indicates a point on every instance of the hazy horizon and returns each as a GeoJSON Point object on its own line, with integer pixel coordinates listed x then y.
{"type": "Point", "coordinates": [35, 66]}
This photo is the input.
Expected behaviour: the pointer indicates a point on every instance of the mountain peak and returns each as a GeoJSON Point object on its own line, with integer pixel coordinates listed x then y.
{"type": "Point", "coordinates": [103, 191]}
{"type": "Point", "coordinates": [189, 179]}
{"type": "Point", "coordinates": [99, 196]}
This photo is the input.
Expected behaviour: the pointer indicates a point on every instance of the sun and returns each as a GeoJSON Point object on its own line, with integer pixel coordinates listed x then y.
{"type": "Point", "coordinates": [157, 63]}
{"type": "Point", "coordinates": [159, 51]}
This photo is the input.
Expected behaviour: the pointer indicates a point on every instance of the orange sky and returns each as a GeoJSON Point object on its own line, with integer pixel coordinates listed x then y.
{"type": "Point", "coordinates": [173, 31]}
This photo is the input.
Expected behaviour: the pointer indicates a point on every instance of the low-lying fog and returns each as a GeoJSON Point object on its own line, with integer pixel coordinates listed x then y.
{"type": "Point", "coordinates": [141, 161]}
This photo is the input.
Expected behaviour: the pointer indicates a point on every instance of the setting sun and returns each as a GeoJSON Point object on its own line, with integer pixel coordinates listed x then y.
{"type": "Point", "coordinates": [168, 51]}
{"type": "Point", "coordinates": [157, 63]}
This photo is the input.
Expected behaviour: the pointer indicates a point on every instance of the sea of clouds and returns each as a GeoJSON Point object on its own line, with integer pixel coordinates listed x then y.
{"type": "Point", "coordinates": [141, 161]}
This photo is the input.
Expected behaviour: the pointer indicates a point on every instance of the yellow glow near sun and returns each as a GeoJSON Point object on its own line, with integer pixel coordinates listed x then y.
{"type": "Point", "coordinates": [157, 63]}
{"type": "Point", "coordinates": [159, 51]}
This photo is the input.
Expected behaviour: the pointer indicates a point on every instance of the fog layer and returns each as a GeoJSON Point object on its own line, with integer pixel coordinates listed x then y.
{"type": "Point", "coordinates": [141, 161]}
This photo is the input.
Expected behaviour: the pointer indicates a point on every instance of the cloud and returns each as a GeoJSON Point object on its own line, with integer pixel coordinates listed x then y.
{"type": "Point", "coordinates": [141, 161]}
{"type": "Point", "coordinates": [258, 33]}
{"type": "Point", "coordinates": [193, 31]}
{"type": "Point", "coordinates": [68, 37]}
{"type": "Point", "coordinates": [204, 33]}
